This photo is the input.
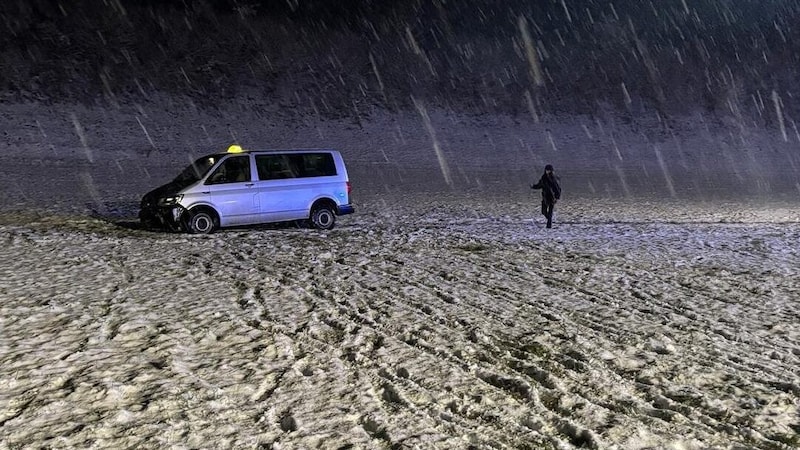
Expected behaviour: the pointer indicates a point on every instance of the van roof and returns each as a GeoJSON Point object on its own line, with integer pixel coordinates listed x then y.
{"type": "Point", "coordinates": [238, 149]}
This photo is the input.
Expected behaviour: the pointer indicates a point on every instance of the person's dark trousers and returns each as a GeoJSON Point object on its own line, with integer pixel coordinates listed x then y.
{"type": "Point", "coordinates": [547, 211]}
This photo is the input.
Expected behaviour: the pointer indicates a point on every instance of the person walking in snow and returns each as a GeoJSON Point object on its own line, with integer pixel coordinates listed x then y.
{"type": "Point", "coordinates": [551, 193]}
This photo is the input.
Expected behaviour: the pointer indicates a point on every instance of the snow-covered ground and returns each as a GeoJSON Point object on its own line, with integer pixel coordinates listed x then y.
{"type": "Point", "coordinates": [662, 311]}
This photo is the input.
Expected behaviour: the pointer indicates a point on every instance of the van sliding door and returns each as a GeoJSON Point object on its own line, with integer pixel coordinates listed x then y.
{"type": "Point", "coordinates": [233, 192]}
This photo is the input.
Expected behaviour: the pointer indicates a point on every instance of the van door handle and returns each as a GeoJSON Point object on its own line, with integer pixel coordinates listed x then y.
{"type": "Point", "coordinates": [206, 192]}
{"type": "Point", "coordinates": [250, 184]}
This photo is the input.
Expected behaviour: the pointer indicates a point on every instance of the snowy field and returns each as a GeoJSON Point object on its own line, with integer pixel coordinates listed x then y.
{"type": "Point", "coordinates": [438, 316]}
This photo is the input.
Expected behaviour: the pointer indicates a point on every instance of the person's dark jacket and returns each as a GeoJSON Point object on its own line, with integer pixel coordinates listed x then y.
{"type": "Point", "coordinates": [551, 190]}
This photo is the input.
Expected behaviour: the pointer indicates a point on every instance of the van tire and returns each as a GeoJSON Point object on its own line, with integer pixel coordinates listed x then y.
{"type": "Point", "coordinates": [323, 217]}
{"type": "Point", "coordinates": [201, 221]}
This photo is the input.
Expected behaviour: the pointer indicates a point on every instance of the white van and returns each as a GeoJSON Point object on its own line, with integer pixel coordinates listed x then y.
{"type": "Point", "coordinates": [243, 187]}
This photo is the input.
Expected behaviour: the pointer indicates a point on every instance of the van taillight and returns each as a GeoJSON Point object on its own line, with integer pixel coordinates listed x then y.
{"type": "Point", "coordinates": [349, 188]}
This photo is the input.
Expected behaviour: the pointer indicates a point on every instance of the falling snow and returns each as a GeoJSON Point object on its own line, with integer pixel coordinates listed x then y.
{"type": "Point", "coordinates": [441, 315]}
{"type": "Point", "coordinates": [661, 311]}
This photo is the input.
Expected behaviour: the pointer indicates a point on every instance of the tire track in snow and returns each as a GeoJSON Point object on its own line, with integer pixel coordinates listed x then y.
{"type": "Point", "coordinates": [418, 336]}
{"type": "Point", "coordinates": [437, 352]}
{"type": "Point", "coordinates": [489, 378]}
{"type": "Point", "coordinates": [652, 311]}
{"type": "Point", "coordinates": [391, 392]}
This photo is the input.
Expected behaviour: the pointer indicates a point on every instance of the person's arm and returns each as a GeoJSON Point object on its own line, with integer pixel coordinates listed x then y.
{"type": "Point", "coordinates": [538, 185]}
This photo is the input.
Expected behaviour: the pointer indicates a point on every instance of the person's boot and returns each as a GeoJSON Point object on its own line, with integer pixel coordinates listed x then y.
{"type": "Point", "coordinates": [549, 222]}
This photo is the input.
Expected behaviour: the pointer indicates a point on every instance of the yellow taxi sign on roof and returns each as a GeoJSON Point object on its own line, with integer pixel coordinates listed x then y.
{"type": "Point", "coordinates": [235, 149]}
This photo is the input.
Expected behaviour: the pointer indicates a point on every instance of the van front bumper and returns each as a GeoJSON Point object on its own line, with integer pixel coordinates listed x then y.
{"type": "Point", "coordinates": [169, 217]}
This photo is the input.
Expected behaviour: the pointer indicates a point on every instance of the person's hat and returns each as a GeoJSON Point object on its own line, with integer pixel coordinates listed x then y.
{"type": "Point", "coordinates": [548, 167]}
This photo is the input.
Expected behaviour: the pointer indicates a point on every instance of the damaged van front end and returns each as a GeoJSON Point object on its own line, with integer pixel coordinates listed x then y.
{"type": "Point", "coordinates": [162, 210]}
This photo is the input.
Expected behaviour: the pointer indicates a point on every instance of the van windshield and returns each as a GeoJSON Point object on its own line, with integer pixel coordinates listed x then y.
{"type": "Point", "coordinates": [197, 170]}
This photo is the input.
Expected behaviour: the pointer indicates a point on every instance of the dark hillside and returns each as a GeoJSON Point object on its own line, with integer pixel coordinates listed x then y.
{"type": "Point", "coordinates": [339, 58]}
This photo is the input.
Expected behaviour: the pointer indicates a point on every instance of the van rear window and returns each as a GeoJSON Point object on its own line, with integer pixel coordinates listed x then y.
{"type": "Point", "coordinates": [299, 165]}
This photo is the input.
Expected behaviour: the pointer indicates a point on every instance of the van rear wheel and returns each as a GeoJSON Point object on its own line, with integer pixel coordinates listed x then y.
{"type": "Point", "coordinates": [323, 217]}
{"type": "Point", "coordinates": [201, 222]}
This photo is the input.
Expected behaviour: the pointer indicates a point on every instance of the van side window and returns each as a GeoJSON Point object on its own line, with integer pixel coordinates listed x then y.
{"type": "Point", "coordinates": [235, 169]}
{"type": "Point", "coordinates": [300, 165]}
{"type": "Point", "coordinates": [273, 167]}
{"type": "Point", "coordinates": [318, 165]}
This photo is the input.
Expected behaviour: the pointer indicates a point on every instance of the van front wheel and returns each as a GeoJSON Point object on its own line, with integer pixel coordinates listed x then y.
{"type": "Point", "coordinates": [201, 222]}
{"type": "Point", "coordinates": [323, 218]}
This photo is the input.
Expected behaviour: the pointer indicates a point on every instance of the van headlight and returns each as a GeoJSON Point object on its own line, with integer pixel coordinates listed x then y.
{"type": "Point", "coordinates": [170, 201]}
